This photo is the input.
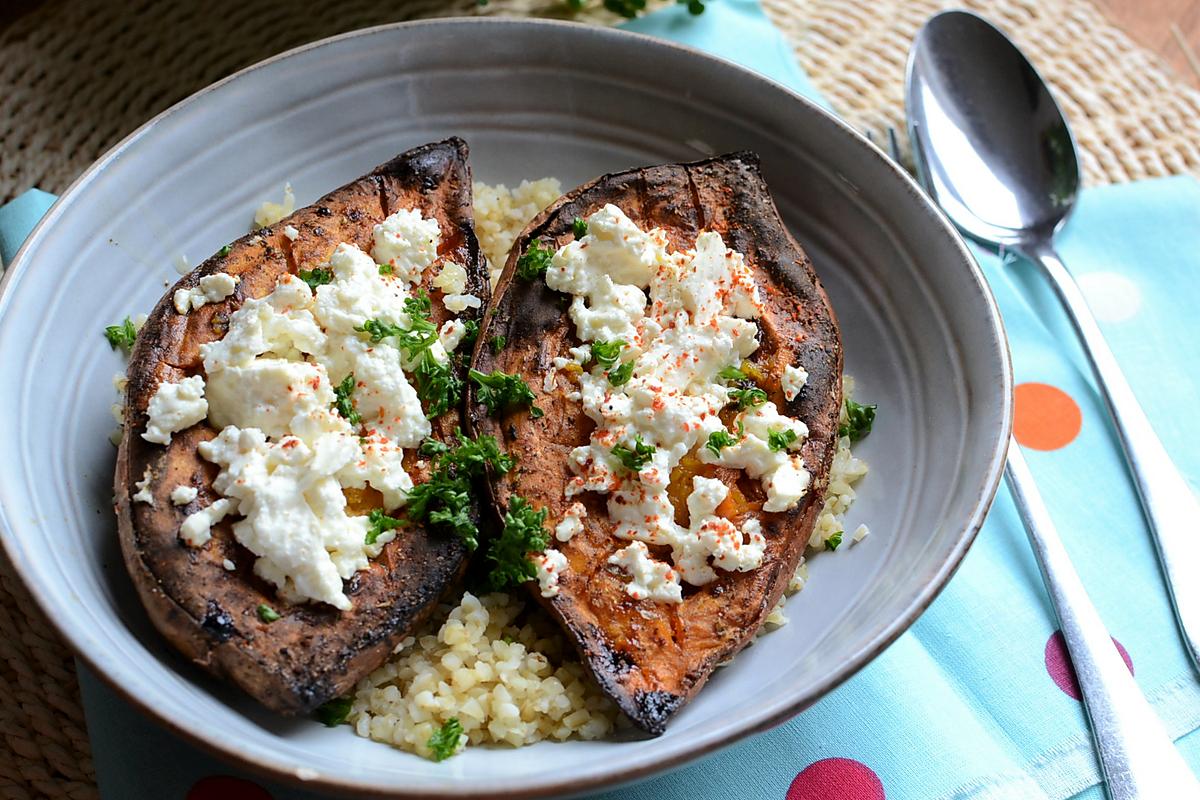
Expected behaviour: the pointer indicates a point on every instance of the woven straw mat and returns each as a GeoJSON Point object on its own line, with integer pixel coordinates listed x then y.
{"type": "Point", "coordinates": [78, 75]}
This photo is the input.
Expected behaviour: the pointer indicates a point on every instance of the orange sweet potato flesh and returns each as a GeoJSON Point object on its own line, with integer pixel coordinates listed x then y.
{"type": "Point", "coordinates": [652, 657]}
{"type": "Point", "coordinates": [314, 652]}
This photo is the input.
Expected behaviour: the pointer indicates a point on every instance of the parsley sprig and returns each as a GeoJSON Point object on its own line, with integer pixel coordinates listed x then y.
{"type": "Point", "coordinates": [620, 375]}
{"type": "Point", "coordinates": [444, 742]}
{"type": "Point", "coordinates": [523, 534]}
{"type": "Point", "coordinates": [606, 354]}
{"type": "Point", "coordinates": [122, 335]}
{"type": "Point", "coordinates": [316, 277]}
{"type": "Point", "coordinates": [634, 458]}
{"type": "Point", "coordinates": [343, 402]}
{"type": "Point", "coordinates": [748, 396]}
{"type": "Point", "coordinates": [379, 523]}
{"type": "Point", "coordinates": [834, 541]}
{"type": "Point", "coordinates": [444, 501]}
{"type": "Point", "coordinates": [534, 262]}
{"type": "Point", "coordinates": [780, 440]}
{"type": "Point", "coordinates": [335, 712]}
{"type": "Point", "coordinates": [579, 227]}
{"type": "Point", "coordinates": [859, 419]}
{"type": "Point", "coordinates": [267, 614]}
{"type": "Point", "coordinates": [499, 391]}
{"type": "Point", "coordinates": [718, 440]}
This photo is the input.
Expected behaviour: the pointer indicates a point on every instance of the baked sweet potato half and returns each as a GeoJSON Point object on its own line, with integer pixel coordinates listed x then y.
{"type": "Point", "coordinates": [208, 600]}
{"type": "Point", "coordinates": [651, 655]}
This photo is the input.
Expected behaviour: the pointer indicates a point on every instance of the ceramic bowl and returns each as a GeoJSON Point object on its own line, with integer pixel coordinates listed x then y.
{"type": "Point", "coordinates": [922, 337]}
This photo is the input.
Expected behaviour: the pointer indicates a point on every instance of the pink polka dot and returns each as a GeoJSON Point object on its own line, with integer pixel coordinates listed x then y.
{"type": "Point", "coordinates": [224, 787]}
{"type": "Point", "coordinates": [836, 779]}
{"type": "Point", "coordinates": [1058, 664]}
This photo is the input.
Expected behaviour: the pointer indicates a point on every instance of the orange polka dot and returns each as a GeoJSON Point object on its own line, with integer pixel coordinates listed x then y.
{"type": "Point", "coordinates": [1045, 418]}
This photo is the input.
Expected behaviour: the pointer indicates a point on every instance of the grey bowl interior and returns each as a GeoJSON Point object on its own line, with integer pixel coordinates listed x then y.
{"type": "Point", "coordinates": [921, 332]}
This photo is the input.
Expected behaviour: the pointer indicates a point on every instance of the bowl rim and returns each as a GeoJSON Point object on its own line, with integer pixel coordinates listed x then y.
{"type": "Point", "coordinates": [689, 751]}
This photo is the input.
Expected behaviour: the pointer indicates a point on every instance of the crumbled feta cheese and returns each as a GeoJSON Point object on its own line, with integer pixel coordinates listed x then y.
{"type": "Point", "coordinates": [305, 541]}
{"type": "Point", "coordinates": [550, 566]}
{"type": "Point", "coordinates": [175, 406]}
{"type": "Point", "coordinates": [452, 279]}
{"type": "Point", "coordinates": [408, 242]}
{"type": "Point", "coordinates": [651, 579]}
{"type": "Point", "coordinates": [572, 522]}
{"type": "Point", "coordinates": [269, 213]}
{"type": "Point", "coordinates": [285, 455]}
{"type": "Point", "coordinates": [143, 494]}
{"type": "Point", "coordinates": [212, 289]}
{"type": "Point", "coordinates": [183, 494]}
{"type": "Point", "coordinates": [228, 565]}
{"type": "Point", "coordinates": [196, 530]}
{"type": "Point", "coordinates": [683, 317]}
{"type": "Point", "coordinates": [459, 303]}
{"type": "Point", "coordinates": [793, 381]}
{"type": "Point", "coordinates": [451, 334]}
{"type": "Point", "coordinates": [290, 232]}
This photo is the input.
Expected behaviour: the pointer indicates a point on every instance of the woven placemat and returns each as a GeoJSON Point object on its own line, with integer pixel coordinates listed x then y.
{"type": "Point", "coordinates": [78, 75]}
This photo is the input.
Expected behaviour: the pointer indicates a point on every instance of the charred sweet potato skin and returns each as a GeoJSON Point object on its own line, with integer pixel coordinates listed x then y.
{"type": "Point", "coordinates": [652, 657]}
{"type": "Point", "coordinates": [313, 652]}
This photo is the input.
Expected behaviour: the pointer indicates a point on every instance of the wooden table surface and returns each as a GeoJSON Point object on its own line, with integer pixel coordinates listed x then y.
{"type": "Point", "coordinates": [1170, 28]}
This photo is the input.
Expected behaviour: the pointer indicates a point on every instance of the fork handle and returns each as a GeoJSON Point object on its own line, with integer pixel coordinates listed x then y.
{"type": "Point", "coordinates": [1137, 756]}
{"type": "Point", "coordinates": [1167, 500]}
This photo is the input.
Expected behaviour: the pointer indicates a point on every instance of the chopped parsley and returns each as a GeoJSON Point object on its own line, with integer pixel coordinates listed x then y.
{"type": "Point", "coordinates": [386, 269]}
{"type": "Point", "coordinates": [859, 420]}
{"type": "Point", "coordinates": [267, 614]}
{"type": "Point", "coordinates": [379, 524]}
{"type": "Point", "coordinates": [748, 396]}
{"type": "Point", "coordinates": [534, 262]}
{"type": "Point", "coordinates": [343, 402]}
{"type": "Point", "coordinates": [621, 374]}
{"type": "Point", "coordinates": [719, 439]}
{"type": "Point", "coordinates": [379, 330]}
{"type": "Point", "coordinates": [499, 391]}
{"type": "Point", "coordinates": [781, 440]}
{"type": "Point", "coordinates": [122, 335]}
{"type": "Point", "coordinates": [444, 742]}
{"type": "Point", "coordinates": [523, 533]}
{"type": "Point", "coordinates": [498, 343]}
{"type": "Point", "coordinates": [579, 227]}
{"type": "Point", "coordinates": [335, 712]}
{"type": "Point", "coordinates": [606, 354]}
{"type": "Point", "coordinates": [636, 458]}
{"type": "Point", "coordinates": [224, 251]}
{"type": "Point", "coordinates": [438, 384]}
{"type": "Point", "coordinates": [316, 277]}
{"type": "Point", "coordinates": [444, 501]}
{"type": "Point", "coordinates": [732, 374]}
{"type": "Point", "coordinates": [834, 541]}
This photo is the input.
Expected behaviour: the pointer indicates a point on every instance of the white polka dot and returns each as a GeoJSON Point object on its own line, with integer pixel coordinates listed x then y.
{"type": "Point", "coordinates": [1112, 297]}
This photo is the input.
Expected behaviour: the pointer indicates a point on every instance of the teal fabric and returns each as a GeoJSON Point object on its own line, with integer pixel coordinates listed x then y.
{"type": "Point", "coordinates": [962, 706]}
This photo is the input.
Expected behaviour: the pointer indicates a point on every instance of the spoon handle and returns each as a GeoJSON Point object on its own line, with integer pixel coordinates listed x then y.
{"type": "Point", "coordinates": [1167, 500]}
{"type": "Point", "coordinates": [1137, 756]}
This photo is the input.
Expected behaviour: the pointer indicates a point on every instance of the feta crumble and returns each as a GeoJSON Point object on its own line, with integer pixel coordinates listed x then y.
{"type": "Point", "coordinates": [793, 381]}
{"type": "Point", "coordinates": [212, 289]}
{"type": "Point", "coordinates": [550, 566]}
{"type": "Point", "coordinates": [572, 522]}
{"type": "Point", "coordinates": [183, 494]}
{"type": "Point", "coordinates": [196, 530]}
{"type": "Point", "coordinates": [143, 494]}
{"type": "Point", "coordinates": [175, 406]}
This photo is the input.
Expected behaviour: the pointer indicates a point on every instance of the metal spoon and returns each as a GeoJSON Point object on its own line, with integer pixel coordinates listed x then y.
{"type": "Point", "coordinates": [993, 149]}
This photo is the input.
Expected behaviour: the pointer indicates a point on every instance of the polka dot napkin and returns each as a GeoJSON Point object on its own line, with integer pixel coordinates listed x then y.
{"type": "Point", "coordinates": [977, 701]}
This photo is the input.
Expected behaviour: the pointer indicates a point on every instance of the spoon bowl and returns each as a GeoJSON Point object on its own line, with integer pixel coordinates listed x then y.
{"type": "Point", "coordinates": [1010, 183]}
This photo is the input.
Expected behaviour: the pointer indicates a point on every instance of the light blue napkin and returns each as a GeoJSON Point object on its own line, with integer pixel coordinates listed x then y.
{"type": "Point", "coordinates": [964, 705]}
